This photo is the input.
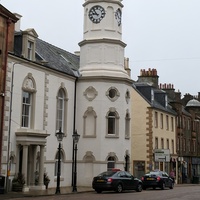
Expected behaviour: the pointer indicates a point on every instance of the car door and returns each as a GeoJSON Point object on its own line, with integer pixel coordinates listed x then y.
{"type": "Point", "coordinates": [166, 178]}
{"type": "Point", "coordinates": [125, 180]}
{"type": "Point", "coordinates": [131, 181]}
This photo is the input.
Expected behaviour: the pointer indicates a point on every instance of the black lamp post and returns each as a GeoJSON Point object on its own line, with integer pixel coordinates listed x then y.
{"type": "Point", "coordinates": [126, 162]}
{"type": "Point", "coordinates": [59, 136]}
{"type": "Point", "coordinates": [76, 137]}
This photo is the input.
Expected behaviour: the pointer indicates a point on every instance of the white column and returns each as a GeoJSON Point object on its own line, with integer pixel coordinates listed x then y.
{"type": "Point", "coordinates": [25, 162]}
{"type": "Point", "coordinates": [33, 164]}
{"type": "Point", "coordinates": [41, 166]}
{"type": "Point", "coordinates": [17, 159]}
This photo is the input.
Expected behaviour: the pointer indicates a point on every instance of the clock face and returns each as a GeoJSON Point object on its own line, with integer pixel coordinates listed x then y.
{"type": "Point", "coordinates": [96, 14]}
{"type": "Point", "coordinates": [118, 16]}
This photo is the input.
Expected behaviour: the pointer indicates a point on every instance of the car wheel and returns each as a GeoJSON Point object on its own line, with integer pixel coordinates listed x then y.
{"type": "Point", "coordinates": [139, 188]}
{"type": "Point", "coordinates": [119, 188]}
{"type": "Point", "coordinates": [163, 186]}
{"type": "Point", "coordinates": [98, 191]}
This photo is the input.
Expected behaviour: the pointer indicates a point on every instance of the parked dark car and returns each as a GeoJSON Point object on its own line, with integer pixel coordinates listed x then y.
{"type": "Point", "coordinates": [116, 180]}
{"type": "Point", "coordinates": [157, 179]}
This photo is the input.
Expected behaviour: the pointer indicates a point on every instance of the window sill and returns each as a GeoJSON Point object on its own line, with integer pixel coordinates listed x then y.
{"type": "Point", "coordinates": [112, 136]}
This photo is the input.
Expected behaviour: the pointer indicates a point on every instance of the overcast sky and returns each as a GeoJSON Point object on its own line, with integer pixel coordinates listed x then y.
{"type": "Point", "coordinates": [160, 34]}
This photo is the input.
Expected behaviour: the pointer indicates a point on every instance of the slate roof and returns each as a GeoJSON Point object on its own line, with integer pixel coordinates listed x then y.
{"type": "Point", "coordinates": [57, 58]}
{"type": "Point", "coordinates": [146, 90]}
{"type": "Point", "coordinates": [51, 56]}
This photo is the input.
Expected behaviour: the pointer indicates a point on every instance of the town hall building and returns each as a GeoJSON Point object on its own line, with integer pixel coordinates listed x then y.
{"type": "Point", "coordinates": [49, 90]}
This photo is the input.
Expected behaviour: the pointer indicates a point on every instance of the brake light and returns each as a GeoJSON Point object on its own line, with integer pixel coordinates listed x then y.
{"type": "Point", "coordinates": [158, 178]}
{"type": "Point", "coordinates": [142, 178]}
{"type": "Point", "coordinates": [109, 180]}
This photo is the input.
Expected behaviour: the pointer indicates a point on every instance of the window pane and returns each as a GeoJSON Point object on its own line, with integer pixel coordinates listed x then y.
{"type": "Point", "coordinates": [30, 50]}
{"type": "Point", "coordinates": [111, 163]}
{"type": "Point", "coordinates": [60, 110]}
{"type": "Point", "coordinates": [26, 109]}
{"type": "Point", "coordinates": [111, 123]}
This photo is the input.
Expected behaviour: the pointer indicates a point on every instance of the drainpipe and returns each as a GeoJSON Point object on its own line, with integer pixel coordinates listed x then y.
{"type": "Point", "coordinates": [74, 125]}
{"type": "Point", "coordinates": [4, 69]}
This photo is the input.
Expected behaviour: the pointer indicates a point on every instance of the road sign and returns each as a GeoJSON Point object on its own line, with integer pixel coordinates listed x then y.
{"type": "Point", "coordinates": [162, 155]}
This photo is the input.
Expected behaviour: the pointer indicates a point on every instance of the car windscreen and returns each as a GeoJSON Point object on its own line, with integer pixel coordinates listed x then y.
{"type": "Point", "coordinates": [108, 173]}
{"type": "Point", "coordinates": [155, 173]}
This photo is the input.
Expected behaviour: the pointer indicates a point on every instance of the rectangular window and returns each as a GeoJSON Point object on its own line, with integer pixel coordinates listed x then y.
{"type": "Point", "coordinates": [188, 126]}
{"type": "Point", "coordinates": [184, 123]}
{"type": "Point", "coordinates": [30, 50]}
{"type": "Point", "coordinates": [161, 121]}
{"type": "Point", "coordinates": [156, 143]}
{"type": "Point", "coordinates": [156, 120]}
{"type": "Point", "coordinates": [172, 124]}
{"type": "Point", "coordinates": [189, 145]}
{"type": "Point", "coordinates": [184, 144]}
{"type": "Point", "coordinates": [167, 122]}
{"type": "Point", "coordinates": [162, 143]}
{"type": "Point", "coordinates": [26, 109]}
{"type": "Point", "coordinates": [167, 143]}
{"type": "Point", "coordinates": [194, 145]}
{"type": "Point", "coordinates": [178, 143]}
{"type": "Point", "coordinates": [172, 146]}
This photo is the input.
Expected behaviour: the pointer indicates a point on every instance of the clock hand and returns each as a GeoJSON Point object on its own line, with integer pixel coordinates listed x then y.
{"type": "Point", "coordinates": [97, 12]}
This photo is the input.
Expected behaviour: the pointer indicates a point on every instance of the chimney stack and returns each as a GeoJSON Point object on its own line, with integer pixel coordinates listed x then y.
{"type": "Point", "coordinates": [149, 76]}
{"type": "Point", "coordinates": [18, 23]}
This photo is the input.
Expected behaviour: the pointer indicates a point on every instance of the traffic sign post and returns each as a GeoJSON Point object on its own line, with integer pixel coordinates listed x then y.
{"type": "Point", "coordinates": [162, 155]}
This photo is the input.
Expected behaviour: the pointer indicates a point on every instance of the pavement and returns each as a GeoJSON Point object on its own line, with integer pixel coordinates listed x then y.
{"type": "Point", "coordinates": [64, 190]}
{"type": "Point", "coordinates": [47, 192]}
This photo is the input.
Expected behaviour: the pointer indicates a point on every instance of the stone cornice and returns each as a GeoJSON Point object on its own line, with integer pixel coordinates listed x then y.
{"type": "Point", "coordinates": [103, 40]}
{"type": "Point", "coordinates": [104, 1]}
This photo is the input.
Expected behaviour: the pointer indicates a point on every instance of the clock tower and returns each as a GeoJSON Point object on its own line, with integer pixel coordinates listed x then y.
{"type": "Point", "coordinates": [102, 51]}
{"type": "Point", "coordinates": [103, 92]}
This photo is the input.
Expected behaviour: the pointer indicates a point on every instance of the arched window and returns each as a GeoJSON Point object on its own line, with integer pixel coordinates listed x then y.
{"type": "Point", "coordinates": [110, 163]}
{"type": "Point", "coordinates": [56, 164]}
{"type": "Point", "coordinates": [127, 162]}
{"type": "Point", "coordinates": [112, 123]}
{"type": "Point", "coordinates": [89, 125]}
{"type": "Point", "coordinates": [127, 125]}
{"type": "Point", "coordinates": [28, 91]}
{"type": "Point", "coordinates": [26, 108]}
{"type": "Point", "coordinates": [60, 117]}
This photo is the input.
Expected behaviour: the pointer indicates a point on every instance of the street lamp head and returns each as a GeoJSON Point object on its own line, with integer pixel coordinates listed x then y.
{"type": "Point", "coordinates": [60, 135]}
{"type": "Point", "coordinates": [76, 137]}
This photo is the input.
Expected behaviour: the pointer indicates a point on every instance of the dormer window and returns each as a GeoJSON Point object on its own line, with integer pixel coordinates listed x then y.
{"type": "Point", "coordinates": [152, 95]}
{"type": "Point", "coordinates": [30, 50]}
{"type": "Point", "coordinates": [29, 44]}
{"type": "Point", "coordinates": [166, 101]}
